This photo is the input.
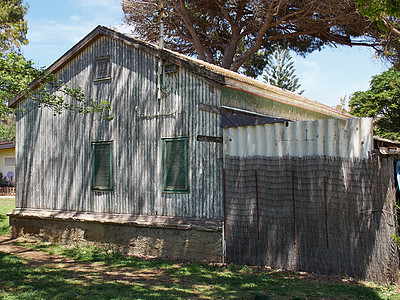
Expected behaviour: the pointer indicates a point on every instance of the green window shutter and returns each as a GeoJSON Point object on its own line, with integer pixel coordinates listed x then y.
{"type": "Point", "coordinates": [102, 167]}
{"type": "Point", "coordinates": [175, 164]}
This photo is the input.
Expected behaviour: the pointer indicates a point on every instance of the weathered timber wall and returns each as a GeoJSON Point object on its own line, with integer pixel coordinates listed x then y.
{"type": "Point", "coordinates": [54, 152]}
{"type": "Point", "coordinates": [319, 214]}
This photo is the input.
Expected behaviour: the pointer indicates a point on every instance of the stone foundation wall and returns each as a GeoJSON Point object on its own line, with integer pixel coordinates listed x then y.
{"type": "Point", "coordinates": [175, 240]}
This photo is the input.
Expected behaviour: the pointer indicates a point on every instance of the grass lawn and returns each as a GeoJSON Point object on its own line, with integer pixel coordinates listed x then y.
{"type": "Point", "coordinates": [6, 205]}
{"type": "Point", "coordinates": [95, 274]}
{"type": "Point", "coordinates": [112, 276]}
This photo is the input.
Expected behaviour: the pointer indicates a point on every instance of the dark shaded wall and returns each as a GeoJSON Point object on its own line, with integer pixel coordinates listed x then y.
{"type": "Point", "coordinates": [319, 214]}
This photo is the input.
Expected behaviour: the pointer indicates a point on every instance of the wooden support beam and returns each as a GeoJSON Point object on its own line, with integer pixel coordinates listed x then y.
{"type": "Point", "coordinates": [205, 138]}
{"type": "Point", "coordinates": [209, 108]}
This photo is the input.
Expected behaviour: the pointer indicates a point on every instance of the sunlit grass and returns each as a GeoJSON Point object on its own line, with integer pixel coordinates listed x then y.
{"type": "Point", "coordinates": [107, 274]}
{"type": "Point", "coordinates": [6, 205]}
{"type": "Point", "coordinates": [171, 280]}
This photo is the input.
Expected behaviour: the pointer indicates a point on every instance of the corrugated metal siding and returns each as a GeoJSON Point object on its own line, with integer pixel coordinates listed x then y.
{"type": "Point", "coordinates": [54, 152]}
{"type": "Point", "coordinates": [332, 137]}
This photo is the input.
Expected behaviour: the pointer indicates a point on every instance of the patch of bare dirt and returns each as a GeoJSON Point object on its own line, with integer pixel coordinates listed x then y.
{"type": "Point", "coordinates": [83, 270]}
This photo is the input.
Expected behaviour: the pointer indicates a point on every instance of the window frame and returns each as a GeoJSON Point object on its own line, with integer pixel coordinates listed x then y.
{"type": "Point", "coordinates": [99, 60]}
{"type": "Point", "coordinates": [168, 188]}
{"type": "Point", "coordinates": [110, 186]}
{"type": "Point", "coordinates": [5, 161]}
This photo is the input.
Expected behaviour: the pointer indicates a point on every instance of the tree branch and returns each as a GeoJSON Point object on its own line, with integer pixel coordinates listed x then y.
{"type": "Point", "coordinates": [234, 66]}
{"type": "Point", "coordinates": [391, 27]}
{"type": "Point", "coordinates": [184, 14]}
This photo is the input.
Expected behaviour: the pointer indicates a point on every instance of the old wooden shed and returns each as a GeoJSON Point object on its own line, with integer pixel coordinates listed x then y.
{"type": "Point", "coordinates": [149, 182]}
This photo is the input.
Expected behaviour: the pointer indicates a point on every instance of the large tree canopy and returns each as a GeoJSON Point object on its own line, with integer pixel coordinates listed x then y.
{"type": "Point", "coordinates": [230, 33]}
{"type": "Point", "coordinates": [13, 27]}
{"type": "Point", "coordinates": [381, 102]}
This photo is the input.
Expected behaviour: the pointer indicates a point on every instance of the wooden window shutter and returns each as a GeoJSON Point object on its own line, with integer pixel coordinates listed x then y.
{"type": "Point", "coordinates": [102, 68]}
{"type": "Point", "coordinates": [102, 167]}
{"type": "Point", "coordinates": [175, 164]}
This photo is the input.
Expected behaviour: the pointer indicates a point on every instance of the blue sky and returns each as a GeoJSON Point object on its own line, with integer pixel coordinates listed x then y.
{"type": "Point", "coordinates": [55, 26]}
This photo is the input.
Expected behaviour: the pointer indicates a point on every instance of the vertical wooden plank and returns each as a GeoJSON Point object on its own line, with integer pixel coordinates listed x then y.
{"type": "Point", "coordinates": [137, 141]}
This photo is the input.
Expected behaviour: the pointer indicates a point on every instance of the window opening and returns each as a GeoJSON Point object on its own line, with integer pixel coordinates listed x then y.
{"type": "Point", "coordinates": [102, 166]}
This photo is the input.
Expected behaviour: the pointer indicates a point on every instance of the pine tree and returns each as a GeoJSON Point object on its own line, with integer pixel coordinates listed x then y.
{"type": "Point", "coordinates": [280, 71]}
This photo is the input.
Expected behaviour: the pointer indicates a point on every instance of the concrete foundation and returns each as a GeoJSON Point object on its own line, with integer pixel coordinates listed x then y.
{"type": "Point", "coordinates": [176, 238]}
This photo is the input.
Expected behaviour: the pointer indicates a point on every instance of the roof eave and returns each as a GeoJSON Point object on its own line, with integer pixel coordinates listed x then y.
{"type": "Point", "coordinates": [280, 95]}
{"type": "Point", "coordinates": [172, 57]}
{"type": "Point", "coordinates": [70, 54]}
{"type": "Point", "coordinates": [7, 145]}
{"type": "Point", "coordinates": [211, 73]}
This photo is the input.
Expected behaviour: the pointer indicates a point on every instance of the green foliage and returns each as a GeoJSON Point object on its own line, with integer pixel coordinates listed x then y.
{"type": "Point", "coordinates": [59, 97]}
{"type": "Point", "coordinates": [236, 35]}
{"type": "Point", "coordinates": [280, 71]}
{"type": "Point", "coordinates": [15, 75]}
{"type": "Point", "coordinates": [7, 128]}
{"type": "Point", "coordinates": [13, 26]}
{"type": "Point", "coordinates": [381, 102]}
{"type": "Point", "coordinates": [386, 14]}
{"type": "Point", "coordinates": [378, 9]}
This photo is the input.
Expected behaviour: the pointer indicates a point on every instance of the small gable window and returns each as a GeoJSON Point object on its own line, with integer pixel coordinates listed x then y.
{"type": "Point", "coordinates": [102, 68]}
{"type": "Point", "coordinates": [175, 164]}
{"type": "Point", "coordinates": [102, 166]}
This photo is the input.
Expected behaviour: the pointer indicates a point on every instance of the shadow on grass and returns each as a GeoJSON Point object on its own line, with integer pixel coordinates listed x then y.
{"type": "Point", "coordinates": [130, 277]}
{"type": "Point", "coordinates": [22, 282]}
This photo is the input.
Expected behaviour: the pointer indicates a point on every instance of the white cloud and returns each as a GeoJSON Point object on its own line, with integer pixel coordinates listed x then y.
{"type": "Point", "coordinates": [76, 18]}
{"type": "Point", "coordinates": [110, 5]}
{"type": "Point", "coordinates": [48, 41]}
{"type": "Point", "coordinates": [308, 71]}
{"type": "Point", "coordinates": [333, 73]}
{"type": "Point", "coordinates": [65, 24]}
{"type": "Point", "coordinates": [123, 28]}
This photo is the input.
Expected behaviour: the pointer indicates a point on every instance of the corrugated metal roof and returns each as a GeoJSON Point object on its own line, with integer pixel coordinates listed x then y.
{"type": "Point", "coordinates": [386, 142]}
{"type": "Point", "coordinates": [338, 138]}
{"type": "Point", "coordinates": [212, 72]}
{"type": "Point", "coordinates": [7, 145]}
{"type": "Point", "coordinates": [252, 85]}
